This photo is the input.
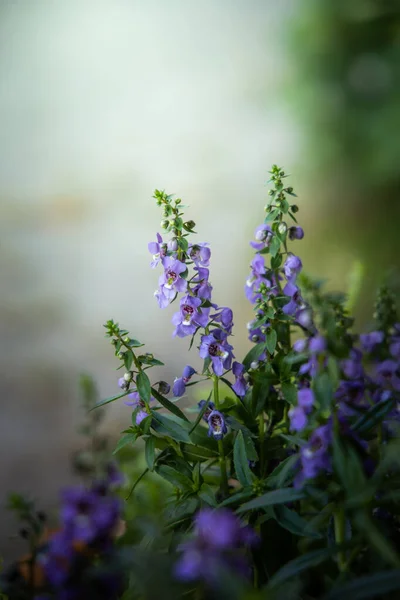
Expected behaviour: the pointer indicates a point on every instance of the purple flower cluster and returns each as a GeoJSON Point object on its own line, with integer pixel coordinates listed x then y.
{"type": "Point", "coordinates": [89, 519]}
{"type": "Point", "coordinates": [218, 545]}
{"type": "Point", "coordinates": [315, 456]}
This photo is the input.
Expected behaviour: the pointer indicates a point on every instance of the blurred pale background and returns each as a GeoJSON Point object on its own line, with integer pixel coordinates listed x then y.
{"type": "Point", "coordinates": [101, 101]}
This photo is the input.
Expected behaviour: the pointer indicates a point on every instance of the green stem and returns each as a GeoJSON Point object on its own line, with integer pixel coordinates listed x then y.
{"type": "Point", "coordinates": [261, 428]}
{"type": "Point", "coordinates": [340, 534]}
{"type": "Point", "coordinates": [222, 461]}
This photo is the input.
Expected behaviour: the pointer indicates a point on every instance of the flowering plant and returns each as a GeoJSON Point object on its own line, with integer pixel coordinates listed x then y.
{"type": "Point", "coordinates": [286, 484]}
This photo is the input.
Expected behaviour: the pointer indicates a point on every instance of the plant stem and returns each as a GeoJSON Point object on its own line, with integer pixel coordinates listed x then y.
{"type": "Point", "coordinates": [222, 461]}
{"type": "Point", "coordinates": [261, 428]}
{"type": "Point", "coordinates": [340, 533]}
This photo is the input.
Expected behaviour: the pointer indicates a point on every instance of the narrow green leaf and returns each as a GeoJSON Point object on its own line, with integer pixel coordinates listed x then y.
{"type": "Point", "coordinates": [166, 425]}
{"type": "Point", "coordinates": [271, 498]}
{"type": "Point", "coordinates": [300, 564]}
{"type": "Point", "coordinates": [374, 416]}
{"type": "Point", "coordinates": [176, 478]}
{"type": "Point", "coordinates": [109, 400]}
{"type": "Point", "coordinates": [275, 245]}
{"type": "Point", "coordinates": [128, 360]}
{"type": "Point", "coordinates": [207, 495]}
{"type": "Point", "coordinates": [143, 386]}
{"type": "Point", "coordinates": [382, 545]}
{"type": "Point", "coordinates": [367, 586]}
{"type": "Point", "coordinates": [271, 339]}
{"type": "Point", "coordinates": [135, 343]}
{"type": "Point", "coordinates": [238, 497]}
{"type": "Point", "coordinates": [253, 355]}
{"type": "Point", "coordinates": [136, 483]}
{"type": "Point", "coordinates": [194, 453]}
{"type": "Point", "coordinates": [149, 452]}
{"type": "Point", "coordinates": [128, 438]}
{"type": "Point", "coordinates": [293, 522]}
{"type": "Point", "coordinates": [289, 391]}
{"type": "Point", "coordinates": [168, 404]}
{"type": "Point", "coordinates": [242, 469]}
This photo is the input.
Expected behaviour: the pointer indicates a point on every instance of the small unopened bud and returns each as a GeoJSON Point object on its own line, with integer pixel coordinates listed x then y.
{"type": "Point", "coordinates": [294, 208]}
{"type": "Point", "coordinates": [126, 339]}
{"type": "Point", "coordinates": [163, 387]}
{"type": "Point", "coordinates": [254, 364]}
{"type": "Point", "coordinates": [282, 228]}
{"type": "Point", "coordinates": [164, 224]}
{"type": "Point", "coordinates": [173, 245]}
{"type": "Point", "coordinates": [255, 338]}
{"type": "Point", "coordinates": [128, 376]}
{"type": "Point", "coordinates": [178, 201]}
{"type": "Point", "coordinates": [271, 192]}
{"type": "Point", "coordinates": [190, 224]}
{"type": "Point", "coordinates": [121, 355]}
{"type": "Point", "coordinates": [289, 189]}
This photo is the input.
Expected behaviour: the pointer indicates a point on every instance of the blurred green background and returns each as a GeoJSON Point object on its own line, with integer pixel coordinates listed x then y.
{"type": "Point", "coordinates": [101, 101]}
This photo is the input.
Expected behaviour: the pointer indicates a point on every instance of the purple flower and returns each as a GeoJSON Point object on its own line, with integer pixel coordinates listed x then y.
{"type": "Point", "coordinates": [138, 404]}
{"type": "Point", "coordinates": [170, 281]}
{"type": "Point", "coordinates": [263, 235]}
{"type": "Point", "coordinates": [216, 347]}
{"type": "Point", "coordinates": [296, 233]}
{"type": "Point", "coordinates": [225, 317]}
{"type": "Point", "coordinates": [292, 267]}
{"type": "Point", "coordinates": [293, 292]}
{"type": "Point", "coordinates": [256, 278]}
{"type": "Point", "coordinates": [200, 254]}
{"type": "Point", "coordinates": [208, 410]}
{"type": "Point", "coordinates": [178, 389]}
{"type": "Point", "coordinates": [240, 385]}
{"type": "Point", "coordinates": [352, 366]}
{"type": "Point", "coordinates": [217, 427]}
{"type": "Point", "coordinates": [317, 344]}
{"type": "Point", "coordinates": [368, 341]}
{"type": "Point", "coordinates": [300, 345]}
{"type": "Point", "coordinates": [314, 456]}
{"type": "Point", "coordinates": [298, 418]}
{"type": "Point", "coordinates": [203, 288]}
{"type": "Point", "coordinates": [158, 249]}
{"type": "Point", "coordinates": [387, 374]}
{"type": "Point", "coordinates": [140, 416]}
{"type": "Point", "coordinates": [350, 395]}
{"type": "Point", "coordinates": [217, 543]}
{"type": "Point", "coordinates": [190, 316]}
{"type": "Point", "coordinates": [305, 398]}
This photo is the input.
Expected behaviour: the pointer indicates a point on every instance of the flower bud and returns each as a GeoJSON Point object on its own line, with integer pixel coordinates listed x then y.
{"type": "Point", "coordinates": [282, 228]}
{"type": "Point", "coordinates": [271, 192]}
{"type": "Point", "coordinates": [126, 339]}
{"type": "Point", "coordinates": [289, 190]}
{"type": "Point", "coordinates": [128, 376]}
{"type": "Point", "coordinates": [121, 355]}
{"type": "Point", "coordinates": [255, 338]}
{"type": "Point", "coordinates": [173, 245]}
{"type": "Point", "coordinates": [163, 387]}
{"type": "Point", "coordinates": [190, 224]}
{"type": "Point", "coordinates": [254, 364]}
{"type": "Point", "coordinates": [164, 224]}
{"type": "Point", "coordinates": [294, 208]}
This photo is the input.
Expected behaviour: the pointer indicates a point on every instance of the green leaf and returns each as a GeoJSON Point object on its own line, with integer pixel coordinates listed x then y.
{"type": "Point", "coordinates": [168, 404]}
{"type": "Point", "coordinates": [143, 386]}
{"type": "Point", "coordinates": [136, 483]}
{"type": "Point", "coordinates": [149, 452]}
{"type": "Point", "coordinates": [253, 355]}
{"type": "Point", "coordinates": [175, 477]}
{"type": "Point", "coordinates": [207, 495]}
{"type": "Point", "coordinates": [164, 424]}
{"type": "Point", "coordinates": [271, 339]}
{"type": "Point", "coordinates": [374, 416]}
{"type": "Point", "coordinates": [275, 245]}
{"type": "Point", "coordinates": [276, 261]}
{"type": "Point", "coordinates": [275, 497]}
{"type": "Point", "coordinates": [251, 451]}
{"type": "Point", "coordinates": [128, 438]}
{"type": "Point", "coordinates": [293, 522]}
{"type": "Point", "coordinates": [382, 546]}
{"type": "Point", "coordinates": [243, 473]}
{"type": "Point", "coordinates": [272, 215]}
{"type": "Point", "coordinates": [289, 391]}
{"type": "Point", "coordinates": [135, 343]}
{"type": "Point", "coordinates": [282, 472]}
{"type": "Point", "coordinates": [367, 586]}
{"type": "Point", "coordinates": [128, 360]}
{"type": "Point", "coordinates": [238, 497]}
{"type": "Point", "coordinates": [293, 439]}
{"type": "Point", "coordinates": [108, 400]}
{"type": "Point", "coordinates": [323, 390]}
{"type": "Point", "coordinates": [300, 564]}
{"type": "Point", "coordinates": [194, 453]}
